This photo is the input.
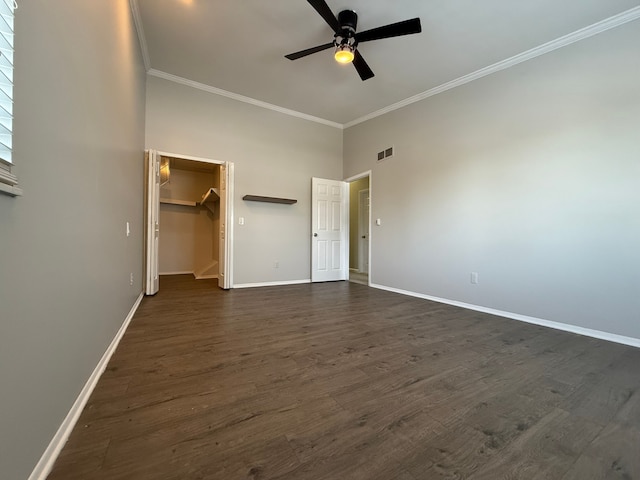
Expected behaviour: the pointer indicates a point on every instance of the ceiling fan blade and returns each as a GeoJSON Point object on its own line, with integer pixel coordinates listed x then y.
{"type": "Point", "coordinates": [405, 27]}
{"type": "Point", "coordinates": [325, 12]}
{"type": "Point", "coordinates": [363, 69]}
{"type": "Point", "coordinates": [308, 51]}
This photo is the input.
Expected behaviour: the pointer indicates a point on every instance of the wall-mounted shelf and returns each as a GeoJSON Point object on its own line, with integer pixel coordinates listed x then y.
{"type": "Point", "coordinates": [173, 201]}
{"type": "Point", "coordinates": [208, 199]}
{"type": "Point", "coordinates": [257, 198]}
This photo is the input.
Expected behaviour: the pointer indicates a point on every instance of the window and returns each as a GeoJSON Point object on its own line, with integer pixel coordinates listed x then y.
{"type": "Point", "coordinates": [8, 181]}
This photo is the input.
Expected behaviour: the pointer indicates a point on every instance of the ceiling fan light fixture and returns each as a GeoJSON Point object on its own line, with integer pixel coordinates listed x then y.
{"type": "Point", "coordinates": [347, 38]}
{"type": "Point", "coordinates": [344, 53]}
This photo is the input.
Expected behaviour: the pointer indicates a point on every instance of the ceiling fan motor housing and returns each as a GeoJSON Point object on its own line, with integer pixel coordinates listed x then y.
{"type": "Point", "coordinates": [348, 20]}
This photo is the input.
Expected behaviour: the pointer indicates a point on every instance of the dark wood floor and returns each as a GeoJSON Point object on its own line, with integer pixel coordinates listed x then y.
{"type": "Point", "coordinates": [341, 381]}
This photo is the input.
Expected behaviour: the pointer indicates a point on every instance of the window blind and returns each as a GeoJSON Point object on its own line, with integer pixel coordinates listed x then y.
{"type": "Point", "coordinates": [7, 8]}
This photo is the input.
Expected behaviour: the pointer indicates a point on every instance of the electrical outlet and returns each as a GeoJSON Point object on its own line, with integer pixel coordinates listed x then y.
{"type": "Point", "coordinates": [474, 277]}
{"type": "Point", "coordinates": [241, 221]}
{"type": "Point", "coordinates": [131, 278]}
{"type": "Point", "coordinates": [276, 264]}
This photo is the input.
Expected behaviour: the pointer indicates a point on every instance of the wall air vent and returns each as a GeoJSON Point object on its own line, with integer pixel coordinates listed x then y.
{"type": "Point", "coordinates": [386, 153]}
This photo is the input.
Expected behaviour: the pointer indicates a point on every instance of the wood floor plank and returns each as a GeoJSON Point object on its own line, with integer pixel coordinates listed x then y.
{"type": "Point", "coordinates": [81, 460]}
{"type": "Point", "coordinates": [546, 449]}
{"type": "Point", "coordinates": [613, 455]}
{"type": "Point", "coordinates": [342, 381]}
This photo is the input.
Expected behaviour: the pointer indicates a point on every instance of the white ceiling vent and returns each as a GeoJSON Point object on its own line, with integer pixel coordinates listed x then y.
{"type": "Point", "coordinates": [386, 153]}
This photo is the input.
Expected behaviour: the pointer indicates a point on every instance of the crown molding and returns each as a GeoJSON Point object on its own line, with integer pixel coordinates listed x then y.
{"type": "Point", "coordinates": [137, 20]}
{"type": "Point", "coordinates": [241, 98]}
{"type": "Point", "coordinates": [599, 27]}
{"type": "Point", "coordinates": [586, 32]}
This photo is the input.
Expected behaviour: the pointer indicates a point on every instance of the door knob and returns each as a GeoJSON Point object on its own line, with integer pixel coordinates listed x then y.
{"type": "Point", "coordinates": [315, 234]}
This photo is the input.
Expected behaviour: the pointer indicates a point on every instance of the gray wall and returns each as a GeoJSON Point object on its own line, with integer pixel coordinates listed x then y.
{"type": "Point", "coordinates": [529, 177]}
{"type": "Point", "coordinates": [274, 155]}
{"type": "Point", "coordinates": [64, 279]}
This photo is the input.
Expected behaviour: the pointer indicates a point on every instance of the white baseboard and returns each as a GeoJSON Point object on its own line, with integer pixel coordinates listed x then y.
{"type": "Point", "coordinates": [271, 284]}
{"type": "Point", "coordinates": [177, 273]}
{"type": "Point", "coordinates": [44, 466]}
{"type": "Point", "coordinates": [611, 337]}
{"type": "Point", "coordinates": [205, 277]}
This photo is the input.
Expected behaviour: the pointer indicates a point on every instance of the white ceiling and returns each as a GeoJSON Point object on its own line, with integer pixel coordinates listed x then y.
{"type": "Point", "coordinates": [239, 46]}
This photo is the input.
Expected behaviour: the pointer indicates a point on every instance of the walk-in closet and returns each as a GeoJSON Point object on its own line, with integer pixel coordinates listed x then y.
{"type": "Point", "coordinates": [189, 218]}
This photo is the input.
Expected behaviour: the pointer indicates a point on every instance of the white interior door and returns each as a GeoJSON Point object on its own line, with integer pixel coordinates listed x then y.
{"type": "Point", "coordinates": [329, 200]}
{"type": "Point", "coordinates": [363, 230]}
{"type": "Point", "coordinates": [152, 227]}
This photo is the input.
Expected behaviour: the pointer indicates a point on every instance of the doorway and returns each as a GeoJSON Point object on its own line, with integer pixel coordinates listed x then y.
{"type": "Point", "coordinates": [359, 228]}
{"type": "Point", "coordinates": [188, 218]}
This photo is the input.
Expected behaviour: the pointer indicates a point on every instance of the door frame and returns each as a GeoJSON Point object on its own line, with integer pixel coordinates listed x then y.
{"type": "Point", "coordinates": [151, 221]}
{"type": "Point", "coordinates": [352, 179]}
{"type": "Point", "coordinates": [364, 225]}
{"type": "Point", "coordinates": [228, 234]}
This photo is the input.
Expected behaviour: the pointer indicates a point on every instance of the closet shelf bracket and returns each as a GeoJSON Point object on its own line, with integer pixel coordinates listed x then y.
{"type": "Point", "coordinates": [209, 198]}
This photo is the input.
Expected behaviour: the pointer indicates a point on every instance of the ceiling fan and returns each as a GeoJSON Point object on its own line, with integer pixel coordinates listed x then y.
{"type": "Point", "coordinates": [346, 39]}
